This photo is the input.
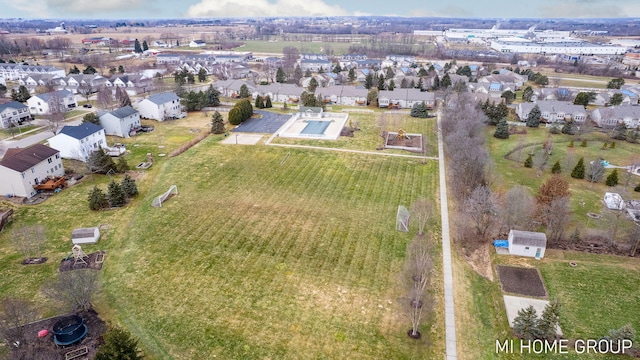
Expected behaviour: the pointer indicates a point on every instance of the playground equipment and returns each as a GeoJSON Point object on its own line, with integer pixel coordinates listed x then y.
{"type": "Point", "coordinates": [78, 255]}
{"type": "Point", "coordinates": [402, 219]}
{"type": "Point", "coordinates": [157, 202]}
{"type": "Point", "coordinates": [402, 134]}
{"type": "Point", "coordinates": [69, 330]}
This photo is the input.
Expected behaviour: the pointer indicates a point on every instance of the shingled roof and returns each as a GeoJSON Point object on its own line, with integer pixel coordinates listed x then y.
{"type": "Point", "coordinates": [23, 159]}
{"type": "Point", "coordinates": [81, 131]}
{"type": "Point", "coordinates": [529, 238]}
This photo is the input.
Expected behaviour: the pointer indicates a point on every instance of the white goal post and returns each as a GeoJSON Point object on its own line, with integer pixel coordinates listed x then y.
{"type": "Point", "coordinates": [157, 202]}
{"type": "Point", "coordinates": [402, 219]}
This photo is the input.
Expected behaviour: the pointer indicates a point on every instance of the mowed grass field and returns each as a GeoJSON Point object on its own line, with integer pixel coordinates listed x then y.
{"type": "Point", "coordinates": [266, 252]}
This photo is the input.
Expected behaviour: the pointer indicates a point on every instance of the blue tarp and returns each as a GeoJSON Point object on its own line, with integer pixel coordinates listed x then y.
{"type": "Point", "coordinates": [501, 243]}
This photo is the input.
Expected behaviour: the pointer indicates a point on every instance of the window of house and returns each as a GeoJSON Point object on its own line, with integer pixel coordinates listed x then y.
{"type": "Point", "coordinates": [526, 248]}
{"type": "Point", "coordinates": [57, 156]}
{"type": "Point", "coordinates": [33, 170]}
{"type": "Point", "coordinates": [50, 160]}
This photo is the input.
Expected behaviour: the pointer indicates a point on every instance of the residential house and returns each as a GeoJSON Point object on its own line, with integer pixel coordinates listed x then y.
{"type": "Point", "coordinates": [527, 243]}
{"type": "Point", "coordinates": [31, 82]}
{"type": "Point", "coordinates": [23, 168]}
{"type": "Point", "coordinates": [314, 65]}
{"type": "Point", "coordinates": [78, 142]}
{"type": "Point", "coordinates": [609, 117]}
{"type": "Point", "coordinates": [507, 79]}
{"type": "Point", "coordinates": [133, 84]}
{"type": "Point", "coordinates": [62, 100]}
{"type": "Point", "coordinates": [169, 58]}
{"type": "Point", "coordinates": [323, 80]}
{"type": "Point", "coordinates": [398, 61]}
{"type": "Point", "coordinates": [405, 98]}
{"type": "Point", "coordinates": [553, 111]}
{"type": "Point", "coordinates": [14, 72]}
{"type": "Point", "coordinates": [231, 88]}
{"type": "Point", "coordinates": [343, 95]}
{"type": "Point", "coordinates": [197, 43]}
{"type": "Point", "coordinates": [161, 107]}
{"type": "Point", "coordinates": [3, 81]}
{"type": "Point", "coordinates": [120, 122]}
{"type": "Point", "coordinates": [279, 92]}
{"type": "Point", "coordinates": [13, 113]}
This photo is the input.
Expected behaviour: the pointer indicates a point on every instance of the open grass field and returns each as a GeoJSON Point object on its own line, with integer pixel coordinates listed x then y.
{"type": "Point", "coordinates": [266, 252]}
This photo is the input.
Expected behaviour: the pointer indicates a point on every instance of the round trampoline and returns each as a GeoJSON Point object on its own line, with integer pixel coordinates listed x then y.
{"type": "Point", "coordinates": [69, 330]}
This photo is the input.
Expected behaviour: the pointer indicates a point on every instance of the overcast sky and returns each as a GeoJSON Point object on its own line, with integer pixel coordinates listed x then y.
{"type": "Point", "coordinates": [141, 9]}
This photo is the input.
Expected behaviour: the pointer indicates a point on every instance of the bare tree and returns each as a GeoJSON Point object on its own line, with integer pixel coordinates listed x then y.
{"type": "Point", "coordinates": [555, 216]}
{"type": "Point", "coordinates": [634, 239]}
{"type": "Point", "coordinates": [417, 276]}
{"type": "Point", "coordinates": [15, 314]}
{"type": "Point", "coordinates": [74, 288]}
{"type": "Point", "coordinates": [29, 240]}
{"type": "Point", "coordinates": [612, 218]}
{"type": "Point", "coordinates": [122, 98]}
{"type": "Point", "coordinates": [518, 208]}
{"type": "Point", "coordinates": [480, 208]}
{"type": "Point", "coordinates": [595, 171]}
{"type": "Point", "coordinates": [85, 90]}
{"type": "Point", "coordinates": [421, 210]}
{"type": "Point", "coordinates": [105, 97]}
{"type": "Point", "coordinates": [540, 161]}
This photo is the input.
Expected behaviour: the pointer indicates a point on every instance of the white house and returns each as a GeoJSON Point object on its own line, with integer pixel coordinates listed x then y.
{"type": "Point", "coordinates": [609, 117]}
{"type": "Point", "coordinates": [13, 113]}
{"type": "Point", "coordinates": [78, 142]}
{"type": "Point", "coordinates": [161, 107]}
{"type": "Point", "coordinates": [527, 243]}
{"type": "Point", "coordinates": [120, 122]}
{"type": "Point", "coordinates": [197, 43]}
{"type": "Point", "coordinates": [553, 111]}
{"type": "Point", "coordinates": [40, 104]}
{"type": "Point", "coordinates": [22, 169]}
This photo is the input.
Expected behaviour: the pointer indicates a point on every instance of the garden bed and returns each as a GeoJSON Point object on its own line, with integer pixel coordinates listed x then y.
{"type": "Point", "coordinates": [522, 281]}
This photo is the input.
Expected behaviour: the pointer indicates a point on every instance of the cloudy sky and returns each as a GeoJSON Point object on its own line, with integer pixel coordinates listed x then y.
{"type": "Point", "coordinates": [140, 9]}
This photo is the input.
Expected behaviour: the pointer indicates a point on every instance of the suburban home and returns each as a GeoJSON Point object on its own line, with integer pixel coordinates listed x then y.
{"type": "Point", "coordinates": [609, 117]}
{"type": "Point", "coordinates": [506, 78]}
{"type": "Point", "coordinates": [527, 243]}
{"type": "Point", "coordinates": [405, 98]}
{"type": "Point", "coordinates": [279, 92]}
{"type": "Point", "coordinates": [31, 82]}
{"type": "Point", "coordinates": [78, 142]}
{"type": "Point", "coordinates": [161, 107]}
{"type": "Point", "coordinates": [169, 58]}
{"type": "Point", "coordinates": [231, 88]}
{"type": "Point", "coordinates": [133, 84]}
{"type": "Point", "coordinates": [13, 113]}
{"type": "Point", "coordinates": [14, 72]}
{"type": "Point", "coordinates": [323, 80]}
{"type": "Point", "coordinates": [22, 169]}
{"type": "Point", "coordinates": [197, 43]}
{"type": "Point", "coordinates": [120, 122]}
{"type": "Point", "coordinates": [343, 95]}
{"type": "Point", "coordinates": [314, 65]}
{"type": "Point", "coordinates": [63, 100]}
{"type": "Point", "coordinates": [553, 111]}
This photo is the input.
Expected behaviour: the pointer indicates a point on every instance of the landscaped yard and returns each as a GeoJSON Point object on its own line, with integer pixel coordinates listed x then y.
{"type": "Point", "coordinates": [266, 252]}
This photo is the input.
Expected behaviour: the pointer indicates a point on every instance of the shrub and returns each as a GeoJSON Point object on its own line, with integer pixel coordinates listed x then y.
{"type": "Point", "coordinates": [578, 170]}
{"type": "Point", "coordinates": [528, 163]}
{"type": "Point", "coordinates": [583, 143]}
{"type": "Point", "coordinates": [502, 130]}
{"type": "Point", "coordinates": [117, 196]}
{"type": "Point", "coordinates": [571, 143]}
{"type": "Point", "coordinates": [118, 344]}
{"type": "Point", "coordinates": [97, 199]}
{"type": "Point", "coordinates": [121, 165]}
{"type": "Point", "coordinates": [556, 169]}
{"type": "Point", "coordinates": [612, 179]}
{"type": "Point", "coordinates": [129, 187]}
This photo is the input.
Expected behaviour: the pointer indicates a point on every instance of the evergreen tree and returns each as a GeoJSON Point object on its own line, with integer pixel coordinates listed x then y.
{"type": "Point", "coordinates": [527, 93]}
{"type": "Point", "coordinates": [619, 132]}
{"type": "Point", "coordinates": [122, 98]}
{"type": "Point", "coordinates": [352, 75]}
{"type": "Point", "coordinates": [267, 102]}
{"type": "Point", "coordinates": [313, 84]}
{"type": "Point", "coordinates": [612, 179]}
{"type": "Point", "coordinates": [281, 77]}
{"type": "Point", "coordinates": [556, 169]}
{"type": "Point", "coordinates": [92, 118]}
{"type": "Point", "coordinates": [136, 47]}
{"type": "Point", "coordinates": [202, 74]}
{"type": "Point", "coordinates": [89, 70]}
{"type": "Point", "coordinates": [392, 85]}
{"type": "Point", "coordinates": [381, 84]}
{"type": "Point", "coordinates": [525, 325]}
{"type": "Point", "coordinates": [419, 110]}
{"type": "Point", "coordinates": [244, 91]}
{"type": "Point", "coordinates": [97, 199]}
{"type": "Point", "coordinates": [217, 123]}
{"type": "Point", "coordinates": [502, 130]}
{"type": "Point", "coordinates": [122, 166]}
{"type": "Point", "coordinates": [445, 82]}
{"type": "Point", "coordinates": [578, 170]}
{"type": "Point", "coordinates": [616, 99]}
{"type": "Point", "coordinates": [121, 69]}
{"type": "Point", "coordinates": [212, 96]}
{"type": "Point", "coordinates": [74, 70]}
{"type": "Point", "coordinates": [297, 74]}
{"type": "Point", "coordinates": [583, 143]}
{"type": "Point", "coordinates": [259, 104]}
{"type": "Point", "coordinates": [307, 73]}
{"type": "Point", "coordinates": [101, 163]}
{"type": "Point", "coordinates": [420, 84]}
{"type": "Point", "coordinates": [337, 69]}
{"type": "Point", "coordinates": [368, 81]}
{"type": "Point", "coordinates": [508, 96]}
{"type": "Point", "coordinates": [528, 163]}
{"type": "Point", "coordinates": [569, 127]}
{"type": "Point", "coordinates": [117, 197]}
{"type": "Point", "coordinates": [549, 320]}
{"type": "Point", "coordinates": [436, 82]}
{"type": "Point", "coordinates": [145, 46]}
{"type": "Point", "coordinates": [118, 345]}
{"type": "Point", "coordinates": [533, 118]}
{"type": "Point", "coordinates": [129, 186]}
{"type": "Point", "coordinates": [571, 143]}
{"type": "Point", "coordinates": [235, 118]}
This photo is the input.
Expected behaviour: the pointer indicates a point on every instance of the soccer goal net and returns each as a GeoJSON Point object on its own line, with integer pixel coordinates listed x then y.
{"type": "Point", "coordinates": [157, 202]}
{"type": "Point", "coordinates": [402, 219]}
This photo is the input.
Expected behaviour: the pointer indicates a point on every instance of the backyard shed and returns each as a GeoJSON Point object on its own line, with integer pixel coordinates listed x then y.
{"type": "Point", "coordinates": [85, 235]}
{"type": "Point", "coordinates": [527, 243]}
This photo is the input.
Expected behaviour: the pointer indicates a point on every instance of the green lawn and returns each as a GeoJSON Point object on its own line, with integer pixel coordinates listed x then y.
{"type": "Point", "coordinates": [266, 252]}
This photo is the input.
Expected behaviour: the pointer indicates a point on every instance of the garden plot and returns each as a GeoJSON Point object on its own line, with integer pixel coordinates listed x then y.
{"type": "Point", "coordinates": [521, 281]}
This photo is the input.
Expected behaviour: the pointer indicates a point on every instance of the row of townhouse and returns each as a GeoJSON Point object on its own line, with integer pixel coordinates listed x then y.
{"type": "Point", "coordinates": [405, 98]}
{"type": "Point", "coordinates": [553, 111]}
{"type": "Point", "coordinates": [14, 72]}
{"type": "Point", "coordinates": [609, 117]}
{"type": "Point", "coordinates": [602, 97]}
{"type": "Point", "coordinates": [81, 83]}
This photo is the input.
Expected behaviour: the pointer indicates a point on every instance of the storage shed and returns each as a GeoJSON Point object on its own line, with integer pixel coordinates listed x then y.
{"type": "Point", "coordinates": [85, 235]}
{"type": "Point", "coordinates": [527, 243]}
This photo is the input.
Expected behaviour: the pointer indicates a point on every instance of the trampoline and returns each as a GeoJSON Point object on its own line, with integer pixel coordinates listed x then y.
{"type": "Point", "coordinates": [315, 127]}
{"type": "Point", "coordinates": [69, 330]}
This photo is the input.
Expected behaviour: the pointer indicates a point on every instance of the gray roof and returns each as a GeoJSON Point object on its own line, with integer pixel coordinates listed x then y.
{"type": "Point", "coordinates": [22, 159]}
{"type": "Point", "coordinates": [81, 131]}
{"type": "Point", "coordinates": [163, 98]}
{"type": "Point", "coordinates": [60, 93]}
{"type": "Point", "coordinates": [529, 238]}
{"type": "Point", "coordinates": [81, 233]}
{"type": "Point", "coordinates": [12, 105]}
{"type": "Point", "coordinates": [123, 112]}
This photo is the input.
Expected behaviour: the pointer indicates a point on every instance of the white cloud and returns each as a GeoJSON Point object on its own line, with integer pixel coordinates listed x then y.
{"type": "Point", "coordinates": [575, 9]}
{"type": "Point", "coordinates": [93, 8]}
{"type": "Point", "coordinates": [263, 8]}
{"type": "Point", "coordinates": [26, 8]}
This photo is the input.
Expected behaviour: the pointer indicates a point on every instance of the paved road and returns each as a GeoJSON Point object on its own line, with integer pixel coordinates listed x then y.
{"type": "Point", "coordinates": [38, 135]}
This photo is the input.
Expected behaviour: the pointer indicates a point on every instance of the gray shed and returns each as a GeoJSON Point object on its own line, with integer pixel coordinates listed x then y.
{"type": "Point", "coordinates": [527, 243]}
{"type": "Point", "coordinates": [85, 235]}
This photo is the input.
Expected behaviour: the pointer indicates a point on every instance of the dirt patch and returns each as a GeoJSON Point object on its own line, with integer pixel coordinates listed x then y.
{"type": "Point", "coordinates": [521, 281]}
{"type": "Point", "coordinates": [92, 261]}
{"type": "Point", "coordinates": [409, 142]}
{"type": "Point", "coordinates": [480, 261]}
{"type": "Point", "coordinates": [44, 348]}
{"type": "Point", "coordinates": [34, 261]}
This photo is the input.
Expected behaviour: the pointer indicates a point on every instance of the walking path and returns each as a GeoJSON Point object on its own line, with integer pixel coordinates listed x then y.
{"type": "Point", "coordinates": [449, 315]}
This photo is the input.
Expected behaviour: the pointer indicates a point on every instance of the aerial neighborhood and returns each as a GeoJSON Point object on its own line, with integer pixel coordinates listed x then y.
{"type": "Point", "coordinates": [336, 187]}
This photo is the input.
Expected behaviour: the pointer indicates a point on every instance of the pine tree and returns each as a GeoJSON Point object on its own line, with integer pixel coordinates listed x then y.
{"type": "Point", "coordinates": [578, 170]}
{"type": "Point", "coordinates": [528, 163]}
{"type": "Point", "coordinates": [244, 91]}
{"type": "Point", "coordinates": [549, 320]}
{"type": "Point", "coordinates": [129, 186]}
{"type": "Point", "coordinates": [533, 119]}
{"type": "Point", "coordinates": [281, 77]}
{"type": "Point", "coordinates": [568, 127]}
{"type": "Point", "coordinates": [637, 188]}
{"type": "Point", "coordinates": [145, 46]}
{"type": "Point", "coordinates": [267, 102]}
{"type": "Point", "coordinates": [117, 197]}
{"type": "Point", "coordinates": [419, 110]}
{"type": "Point", "coordinates": [502, 130]}
{"type": "Point", "coordinates": [556, 169]}
{"type": "Point", "coordinates": [136, 47]}
{"type": "Point", "coordinates": [571, 143]}
{"type": "Point", "coordinates": [121, 165]}
{"type": "Point", "coordinates": [368, 81]}
{"type": "Point", "coordinates": [313, 84]}
{"type": "Point", "coordinates": [583, 143]}
{"type": "Point", "coordinates": [445, 82]}
{"type": "Point", "coordinates": [352, 75]}
{"type": "Point", "coordinates": [97, 199]}
{"type": "Point", "coordinates": [118, 344]}
{"type": "Point", "coordinates": [525, 325]}
{"type": "Point", "coordinates": [612, 179]}
{"type": "Point", "coordinates": [212, 96]}
{"type": "Point", "coordinates": [217, 123]}
{"type": "Point", "coordinates": [259, 104]}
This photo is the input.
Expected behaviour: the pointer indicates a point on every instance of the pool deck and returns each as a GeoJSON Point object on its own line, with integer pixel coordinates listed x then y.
{"type": "Point", "coordinates": [295, 126]}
